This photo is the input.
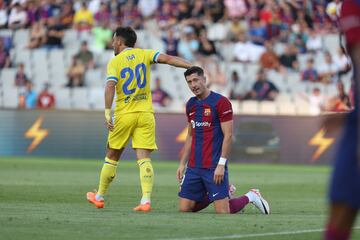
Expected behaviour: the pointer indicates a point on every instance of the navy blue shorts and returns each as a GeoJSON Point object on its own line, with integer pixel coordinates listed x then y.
{"type": "Point", "coordinates": [199, 182]}
{"type": "Point", "coordinates": [345, 184]}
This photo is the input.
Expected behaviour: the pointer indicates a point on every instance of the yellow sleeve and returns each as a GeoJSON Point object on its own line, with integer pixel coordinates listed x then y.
{"type": "Point", "coordinates": [152, 55]}
{"type": "Point", "coordinates": [112, 71]}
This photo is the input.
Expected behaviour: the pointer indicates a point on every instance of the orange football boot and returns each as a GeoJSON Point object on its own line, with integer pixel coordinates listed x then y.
{"type": "Point", "coordinates": [143, 208]}
{"type": "Point", "coordinates": [91, 197]}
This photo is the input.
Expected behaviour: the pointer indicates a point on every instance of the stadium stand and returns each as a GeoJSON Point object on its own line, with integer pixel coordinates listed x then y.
{"type": "Point", "coordinates": [44, 65]}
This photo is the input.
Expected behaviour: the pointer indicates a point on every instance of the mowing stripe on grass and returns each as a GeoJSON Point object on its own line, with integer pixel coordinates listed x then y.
{"type": "Point", "coordinates": [237, 236]}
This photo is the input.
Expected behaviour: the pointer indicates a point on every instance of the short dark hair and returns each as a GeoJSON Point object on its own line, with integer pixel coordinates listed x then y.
{"type": "Point", "coordinates": [194, 69]}
{"type": "Point", "coordinates": [128, 34]}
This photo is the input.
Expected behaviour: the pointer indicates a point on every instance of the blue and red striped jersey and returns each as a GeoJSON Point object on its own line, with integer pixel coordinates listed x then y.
{"type": "Point", "coordinates": [205, 117]}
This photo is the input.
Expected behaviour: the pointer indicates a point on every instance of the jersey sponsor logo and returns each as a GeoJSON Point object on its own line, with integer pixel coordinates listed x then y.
{"type": "Point", "coordinates": [127, 99]}
{"type": "Point", "coordinates": [200, 124]}
{"type": "Point", "coordinates": [138, 97]}
{"type": "Point", "coordinates": [207, 112]}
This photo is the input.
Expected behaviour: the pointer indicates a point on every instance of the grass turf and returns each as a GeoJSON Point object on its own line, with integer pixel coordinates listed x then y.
{"type": "Point", "coordinates": [45, 199]}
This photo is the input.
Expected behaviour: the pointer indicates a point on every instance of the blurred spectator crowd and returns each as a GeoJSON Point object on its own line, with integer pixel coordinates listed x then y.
{"type": "Point", "coordinates": [278, 42]}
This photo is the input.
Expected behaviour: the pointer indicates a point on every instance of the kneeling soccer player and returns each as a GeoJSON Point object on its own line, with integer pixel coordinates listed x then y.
{"type": "Point", "coordinates": [210, 127]}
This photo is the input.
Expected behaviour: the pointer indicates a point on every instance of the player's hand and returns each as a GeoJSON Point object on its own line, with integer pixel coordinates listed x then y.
{"type": "Point", "coordinates": [110, 125]}
{"type": "Point", "coordinates": [180, 172]}
{"type": "Point", "coordinates": [108, 120]}
{"type": "Point", "coordinates": [219, 174]}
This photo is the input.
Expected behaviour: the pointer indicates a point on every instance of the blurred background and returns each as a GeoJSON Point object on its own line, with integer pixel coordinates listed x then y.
{"type": "Point", "coordinates": [280, 63]}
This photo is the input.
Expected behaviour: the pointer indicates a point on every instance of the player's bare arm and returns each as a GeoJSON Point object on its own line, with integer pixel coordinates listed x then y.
{"type": "Point", "coordinates": [173, 61]}
{"type": "Point", "coordinates": [185, 156]}
{"type": "Point", "coordinates": [227, 129]}
{"type": "Point", "coordinates": [109, 97]}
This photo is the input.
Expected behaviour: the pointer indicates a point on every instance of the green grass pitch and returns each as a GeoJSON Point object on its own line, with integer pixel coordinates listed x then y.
{"type": "Point", "coordinates": [45, 199]}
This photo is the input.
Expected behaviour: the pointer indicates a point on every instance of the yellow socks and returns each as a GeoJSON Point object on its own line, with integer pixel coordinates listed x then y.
{"type": "Point", "coordinates": [146, 179]}
{"type": "Point", "coordinates": [107, 174]}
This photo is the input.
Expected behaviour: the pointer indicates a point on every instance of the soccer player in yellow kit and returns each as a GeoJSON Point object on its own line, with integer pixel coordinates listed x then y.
{"type": "Point", "coordinates": [128, 73]}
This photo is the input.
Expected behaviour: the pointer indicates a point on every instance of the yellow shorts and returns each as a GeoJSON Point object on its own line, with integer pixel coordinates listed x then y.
{"type": "Point", "coordinates": [140, 126]}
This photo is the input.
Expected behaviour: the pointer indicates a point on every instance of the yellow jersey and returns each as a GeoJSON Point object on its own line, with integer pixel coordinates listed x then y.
{"type": "Point", "coordinates": [130, 69]}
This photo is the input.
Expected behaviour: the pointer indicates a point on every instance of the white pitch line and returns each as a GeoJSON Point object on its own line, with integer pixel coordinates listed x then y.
{"type": "Point", "coordinates": [237, 236]}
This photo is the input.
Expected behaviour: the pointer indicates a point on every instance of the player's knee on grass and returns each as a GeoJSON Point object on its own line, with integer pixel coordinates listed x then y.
{"type": "Point", "coordinates": [186, 205]}
{"type": "Point", "coordinates": [184, 209]}
{"type": "Point", "coordinates": [222, 206]}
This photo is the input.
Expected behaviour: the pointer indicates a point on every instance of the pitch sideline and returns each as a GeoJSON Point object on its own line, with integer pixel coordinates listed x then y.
{"type": "Point", "coordinates": [237, 236]}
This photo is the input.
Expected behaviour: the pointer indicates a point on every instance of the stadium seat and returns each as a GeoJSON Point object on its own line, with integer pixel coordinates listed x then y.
{"type": "Point", "coordinates": [302, 59]}
{"type": "Point", "coordinates": [249, 107]}
{"type": "Point", "coordinates": [217, 32]}
{"type": "Point", "coordinates": [10, 97]}
{"type": "Point", "coordinates": [252, 70]}
{"type": "Point", "coordinates": [235, 106]}
{"type": "Point", "coordinates": [310, 87]}
{"type": "Point", "coordinates": [6, 33]}
{"type": "Point", "coordinates": [240, 68]}
{"type": "Point", "coordinates": [319, 60]}
{"type": "Point", "coordinates": [40, 77]}
{"type": "Point", "coordinates": [286, 108]}
{"type": "Point", "coordinates": [331, 42]}
{"type": "Point", "coordinates": [57, 77]}
{"type": "Point", "coordinates": [22, 56]}
{"type": "Point", "coordinates": [96, 98]}
{"type": "Point", "coordinates": [303, 108]}
{"type": "Point", "coordinates": [293, 77]}
{"type": "Point", "coordinates": [283, 98]}
{"type": "Point", "coordinates": [70, 39]}
{"type": "Point", "coordinates": [278, 80]}
{"type": "Point", "coordinates": [94, 78]}
{"type": "Point", "coordinates": [104, 58]}
{"type": "Point", "coordinates": [347, 84]}
{"type": "Point", "coordinates": [155, 42]}
{"type": "Point", "coordinates": [331, 90]}
{"type": "Point", "coordinates": [56, 57]}
{"type": "Point", "coordinates": [39, 54]}
{"type": "Point", "coordinates": [227, 51]}
{"type": "Point", "coordinates": [143, 39]}
{"type": "Point", "coordinates": [267, 108]}
{"type": "Point", "coordinates": [1, 98]}
{"type": "Point", "coordinates": [63, 98]}
{"type": "Point", "coordinates": [177, 106]}
{"type": "Point", "coordinates": [57, 70]}
{"type": "Point", "coordinates": [69, 54]}
{"type": "Point", "coordinates": [40, 65]}
{"type": "Point", "coordinates": [21, 38]}
{"type": "Point", "coordinates": [171, 81]}
{"type": "Point", "coordinates": [80, 98]}
{"type": "Point", "coordinates": [279, 48]}
{"type": "Point", "coordinates": [8, 77]}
